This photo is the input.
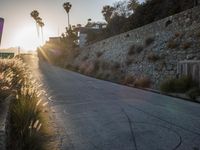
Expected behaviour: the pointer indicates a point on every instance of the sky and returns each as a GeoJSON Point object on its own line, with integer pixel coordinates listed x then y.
{"type": "Point", "coordinates": [20, 28]}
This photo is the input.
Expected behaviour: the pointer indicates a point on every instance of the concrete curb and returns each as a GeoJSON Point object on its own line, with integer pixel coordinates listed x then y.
{"type": "Point", "coordinates": [3, 122]}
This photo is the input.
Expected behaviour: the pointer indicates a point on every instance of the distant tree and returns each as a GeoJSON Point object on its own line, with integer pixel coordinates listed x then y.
{"type": "Point", "coordinates": [41, 25]}
{"type": "Point", "coordinates": [133, 4]}
{"type": "Point", "coordinates": [35, 15]}
{"type": "Point", "coordinates": [107, 12]}
{"type": "Point", "coordinates": [121, 9]}
{"type": "Point", "coordinates": [67, 6]}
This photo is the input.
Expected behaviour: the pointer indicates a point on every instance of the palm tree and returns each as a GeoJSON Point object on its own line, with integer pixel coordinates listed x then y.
{"type": "Point", "coordinates": [41, 25]}
{"type": "Point", "coordinates": [67, 6]}
{"type": "Point", "coordinates": [35, 15]}
{"type": "Point", "coordinates": [107, 12]}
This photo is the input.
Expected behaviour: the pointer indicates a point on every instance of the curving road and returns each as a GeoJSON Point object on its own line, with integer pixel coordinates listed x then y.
{"type": "Point", "coordinates": [99, 115]}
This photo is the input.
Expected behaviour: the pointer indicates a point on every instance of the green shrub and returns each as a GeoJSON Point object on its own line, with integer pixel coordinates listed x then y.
{"type": "Point", "coordinates": [168, 85]}
{"type": "Point", "coordinates": [193, 93]}
{"type": "Point", "coordinates": [180, 85]}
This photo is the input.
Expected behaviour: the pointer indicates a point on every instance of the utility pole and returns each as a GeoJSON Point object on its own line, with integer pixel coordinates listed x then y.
{"type": "Point", "coordinates": [18, 50]}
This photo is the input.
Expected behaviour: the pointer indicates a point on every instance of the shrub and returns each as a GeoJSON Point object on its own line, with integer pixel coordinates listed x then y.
{"type": "Point", "coordinates": [186, 45]}
{"type": "Point", "coordinates": [180, 85]}
{"type": "Point", "coordinates": [85, 58]}
{"type": "Point", "coordinates": [149, 41]}
{"type": "Point", "coordinates": [168, 85]}
{"type": "Point", "coordinates": [134, 50]}
{"type": "Point", "coordinates": [193, 93]}
{"type": "Point", "coordinates": [131, 50]}
{"type": "Point", "coordinates": [172, 44]}
{"type": "Point", "coordinates": [99, 54]}
{"type": "Point", "coordinates": [184, 83]}
{"type": "Point", "coordinates": [177, 34]}
{"type": "Point", "coordinates": [128, 80]}
{"type": "Point", "coordinates": [139, 49]}
{"type": "Point", "coordinates": [25, 119]}
{"type": "Point", "coordinates": [143, 82]}
{"type": "Point", "coordinates": [129, 61]}
{"type": "Point", "coordinates": [116, 66]}
{"type": "Point", "coordinates": [96, 66]}
{"type": "Point", "coordinates": [153, 57]}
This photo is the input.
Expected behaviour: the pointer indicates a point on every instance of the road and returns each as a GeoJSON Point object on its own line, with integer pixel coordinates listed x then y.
{"type": "Point", "coordinates": [99, 115]}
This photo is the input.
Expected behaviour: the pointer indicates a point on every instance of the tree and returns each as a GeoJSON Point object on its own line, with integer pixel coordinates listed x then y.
{"type": "Point", "coordinates": [41, 25]}
{"type": "Point", "coordinates": [39, 22]}
{"type": "Point", "coordinates": [107, 12]}
{"type": "Point", "coordinates": [35, 15]}
{"type": "Point", "coordinates": [67, 6]}
{"type": "Point", "coordinates": [133, 4]}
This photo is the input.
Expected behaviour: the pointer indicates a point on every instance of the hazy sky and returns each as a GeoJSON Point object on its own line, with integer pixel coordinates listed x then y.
{"type": "Point", "coordinates": [20, 29]}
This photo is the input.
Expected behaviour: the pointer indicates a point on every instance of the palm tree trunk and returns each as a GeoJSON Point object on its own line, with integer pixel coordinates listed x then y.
{"type": "Point", "coordinates": [68, 20]}
{"type": "Point", "coordinates": [38, 32]}
{"type": "Point", "coordinates": [42, 35]}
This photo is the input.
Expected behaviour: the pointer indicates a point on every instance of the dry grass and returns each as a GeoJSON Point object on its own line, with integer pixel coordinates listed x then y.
{"type": "Point", "coordinates": [128, 80]}
{"type": "Point", "coordinates": [149, 41]}
{"type": "Point", "coordinates": [25, 110]}
{"type": "Point", "coordinates": [172, 44]}
{"type": "Point", "coordinates": [143, 82]}
{"type": "Point", "coordinates": [99, 54]}
{"type": "Point", "coordinates": [186, 45]}
{"type": "Point", "coordinates": [153, 57]}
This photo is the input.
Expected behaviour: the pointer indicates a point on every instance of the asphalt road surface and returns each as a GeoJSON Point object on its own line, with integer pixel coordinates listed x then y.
{"type": "Point", "coordinates": [99, 115]}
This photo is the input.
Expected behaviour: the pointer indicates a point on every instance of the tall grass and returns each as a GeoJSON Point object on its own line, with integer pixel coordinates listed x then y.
{"type": "Point", "coordinates": [25, 119]}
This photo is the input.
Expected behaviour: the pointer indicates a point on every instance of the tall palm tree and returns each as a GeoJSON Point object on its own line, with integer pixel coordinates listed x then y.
{"type": "Point", "coordinates": [67, 6]}
{"type": "Point", "coordinates": [35, 15]}
{"type": "Point", "coordinates": [41, 25]}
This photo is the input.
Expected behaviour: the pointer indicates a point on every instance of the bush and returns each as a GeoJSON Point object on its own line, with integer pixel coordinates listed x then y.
{"type": "Point", "coordinates": [99, 54]}
{"type": "Point", "coordinates": [193, 93]}
{"type": "Point", "coordinates": [168, 85]}
{"type": "Point", "coordinates": [139, 49]}
{"type": "Point", "coordinates": [143, 82]}
{"type": "Point", "coordinates": [172, 44]}
{"type": "Point", "coordinates": [186, 45]}
{"type": "Point", "coordinates": [153, 57]}
{"type": "Point", "coordinates": [180, 85]}
{"type": "Point", "coordinates": [128, 80]}
{"type": "Point", "coordinates": [116, 66]}
{"type": "Point", "coordinates": [149, 41]}
{"type": "Point", "coordinates": [129, 61]}
{"type": "Point", "coordinates": [131, 50]}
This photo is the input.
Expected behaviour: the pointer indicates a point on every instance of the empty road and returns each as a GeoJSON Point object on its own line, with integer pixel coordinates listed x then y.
{"type": "Point", "coordinates": [99, 115]}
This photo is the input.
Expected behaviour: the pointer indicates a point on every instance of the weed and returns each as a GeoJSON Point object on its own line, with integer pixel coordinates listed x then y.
{"type": "Point", "coordinates": [153, 57]}
{"type": "Point", "coordinates": [193, 93]}
{"type": "Point", "coordinates": [99, 54]}
{"type": "Point", "coordinates": [143, 82]}
{"type": "Point", "coordinates": [149, 41]}
{"type": "Point", "coordinates": [131, 50]}
{"type": "Point", "coordinates": [172, 44]}
{"type": "Point", "coordinates": [186, 45]}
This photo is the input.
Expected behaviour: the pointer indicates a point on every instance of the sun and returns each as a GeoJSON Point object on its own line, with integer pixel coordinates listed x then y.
{"type": "Point", "coordinates": [28, 39]}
